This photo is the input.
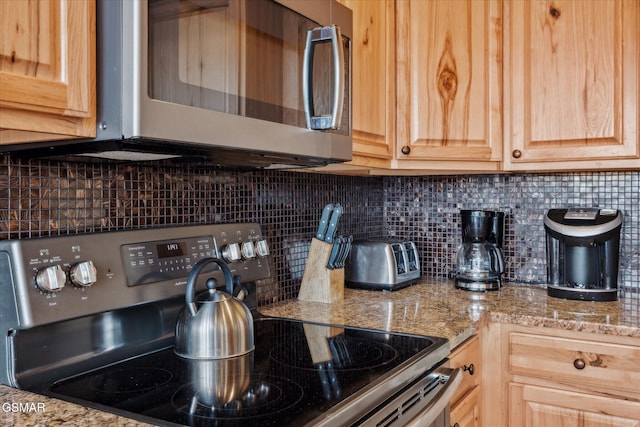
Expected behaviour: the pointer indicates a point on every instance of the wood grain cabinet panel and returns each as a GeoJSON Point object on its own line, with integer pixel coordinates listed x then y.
{"type": "Point", "coordinates": [532, 406]}
{"type": "Point", "coordinates": [580, 363]}
{"type": "Point", "coordinates": [449, 101]}
{"type": "Point", "coordinates": [504, 85]}
{"type": "Point", "coordinates": [47, 70]}
{"type": "Point", "coordinates": [465, 404]}
{"type": "Point", "coordinates": [373, 81]}
{"type": "Point", "coordinates": [427, 86]}
{"type": "Point", "coordinates": [553, 377]}
{"type": "Point", "coordinates": [571, 84]}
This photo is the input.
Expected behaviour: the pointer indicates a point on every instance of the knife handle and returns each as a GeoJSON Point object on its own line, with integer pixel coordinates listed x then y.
{"type": "Point", "coordinates": [333, 223]}
{"type": "Point", "coordinates": [324, 222]}
{"type": "Point", "coordinates": [334, 256]}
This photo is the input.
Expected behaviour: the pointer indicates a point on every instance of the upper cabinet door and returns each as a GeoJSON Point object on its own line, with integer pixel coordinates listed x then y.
{"type": "Point", "coordinates": [47, 69]}
{"type": "Point", "coordinates": [571, 91]}
{"type": "Point", "coordinates": [373, 81]}
{"type": "Point", "coordinates": [449, 102]}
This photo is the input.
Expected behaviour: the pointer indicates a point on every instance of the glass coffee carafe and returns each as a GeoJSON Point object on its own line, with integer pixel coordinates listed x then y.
{"type": "Point", "coordinates": [480, 263]}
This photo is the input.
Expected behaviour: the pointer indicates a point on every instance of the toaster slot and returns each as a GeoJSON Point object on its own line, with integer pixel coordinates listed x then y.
{"type": "Point", "coordinates": [412, 259]}
{"type": "Point", "coordinates": [398, 255]}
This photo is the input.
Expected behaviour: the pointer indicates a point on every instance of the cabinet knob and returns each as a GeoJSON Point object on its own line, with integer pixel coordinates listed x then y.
{"type": "Point", "coordinates": [516, 154]}
{"type": "Point", "coordinates": [579, 364]}
{"type": "Point", "coordinates": [469, 368]}
{"type": "Point", "coordinates": [456, 425]}
{"type": "Point", "coordinates": [406, 149]}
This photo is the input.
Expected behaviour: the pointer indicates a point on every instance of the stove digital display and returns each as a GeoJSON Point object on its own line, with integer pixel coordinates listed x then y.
{"type": "Point", "coordinates": [170, 250]}
{"type": "Point", "coordinates": [153, 262]}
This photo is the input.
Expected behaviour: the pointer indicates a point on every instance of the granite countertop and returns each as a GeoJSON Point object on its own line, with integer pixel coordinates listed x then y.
{"type": "Point", "coordinates": [24, 409]}
{"type": "Point", "coordinates": [439, 309]}
{"type": "Point", "coordinates": [427, 308]}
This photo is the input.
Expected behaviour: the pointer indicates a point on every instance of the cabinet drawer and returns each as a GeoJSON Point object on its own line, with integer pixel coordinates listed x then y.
{"type": "Point", "coordinates": [579, 362]}
{"type": "Point", "coordinates": [467, 355]}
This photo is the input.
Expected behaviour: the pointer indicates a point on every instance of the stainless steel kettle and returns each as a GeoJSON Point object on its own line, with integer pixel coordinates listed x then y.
{"type": "Point", "coordinates": [215, 325]}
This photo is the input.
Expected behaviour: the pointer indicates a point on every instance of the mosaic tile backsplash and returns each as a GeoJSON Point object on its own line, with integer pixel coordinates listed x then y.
{"type": "Point", "coordinates": [39, 198]}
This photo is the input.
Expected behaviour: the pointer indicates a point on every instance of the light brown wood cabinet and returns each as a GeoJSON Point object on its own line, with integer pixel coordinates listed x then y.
{"type": "Point", "coordinates": [465, 404]}
{"type": "Point", "coordinates": [550, 377]}
{"type": "Point", "coordinates": [47, 70]}
{"type": "Point", "coordinates": [426, 86]}
{"type": "Point", "coordinates": [533, 406]}
{"type": "Point", "coordinates": [501, 85]}
{"type": "Point", "coordinates": [571, 84]}
{"type": "Point", "coordinates": [373, 82]}
{"type": "Point", "coordinates": [449, 98]}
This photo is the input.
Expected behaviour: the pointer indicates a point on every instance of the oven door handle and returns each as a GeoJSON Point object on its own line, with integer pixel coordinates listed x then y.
{"type": "Point", "coordinates": [428, 415]}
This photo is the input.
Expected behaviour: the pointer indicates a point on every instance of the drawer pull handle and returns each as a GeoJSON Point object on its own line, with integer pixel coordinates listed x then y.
{"type": "Point", "coordinates": [469, 368]}
{"type": "Point", "coordinates": [579, 364]}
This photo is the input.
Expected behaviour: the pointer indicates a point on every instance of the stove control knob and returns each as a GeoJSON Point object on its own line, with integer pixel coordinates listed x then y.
{"type": "Point", "coordinates": [248, 250]}
{"type": "Point", "coordinates": [83, 273]}
{"type": "Point", "coordinates": [231, 252]}
{"type": "Point", "coordinates": [51, 279]}
{"type": "Point", "coordinates": [262, 249]}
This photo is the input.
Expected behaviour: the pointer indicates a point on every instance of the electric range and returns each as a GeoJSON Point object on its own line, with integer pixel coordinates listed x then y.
{"type": "Point", "coordinates": [90, 319]}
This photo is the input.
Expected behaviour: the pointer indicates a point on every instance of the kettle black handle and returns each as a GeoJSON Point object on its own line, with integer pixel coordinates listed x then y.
{"type": "Point", "coordinates": [190, 292]}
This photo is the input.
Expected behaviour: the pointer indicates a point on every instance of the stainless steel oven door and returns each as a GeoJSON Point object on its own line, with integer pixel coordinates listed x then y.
{"type": "Point", "coordinates": [436, 412]}
{"type": "Point", "coordinates": [423, 404]}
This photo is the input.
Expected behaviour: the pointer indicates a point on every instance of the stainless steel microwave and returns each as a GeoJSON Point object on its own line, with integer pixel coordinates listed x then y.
{"type": "Point", "coordinates": [262, 83]}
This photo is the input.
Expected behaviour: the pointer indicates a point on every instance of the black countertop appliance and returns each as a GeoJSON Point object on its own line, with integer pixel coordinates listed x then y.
{"type": "Point", "coordinates": [583, 248]}
{"type": "Point", "coordinates": [480, 262]}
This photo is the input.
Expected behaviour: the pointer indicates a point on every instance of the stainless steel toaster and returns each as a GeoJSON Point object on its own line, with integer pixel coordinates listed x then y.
{"type": "Point", "coordinates": [383, 264]}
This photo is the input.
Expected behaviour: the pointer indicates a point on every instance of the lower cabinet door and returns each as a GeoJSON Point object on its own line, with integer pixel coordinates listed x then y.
{"type": "Point", "coordinates": [536, 406]}
{"type": "Point", "coordinates": [466, 412]}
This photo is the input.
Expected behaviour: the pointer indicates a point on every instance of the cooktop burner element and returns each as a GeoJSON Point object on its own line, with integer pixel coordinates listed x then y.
{"type": "Point", "coordinates": [347, 353]}
{"type": "Point", "coordinates": [264, 398]}
{"type": "Point", "coordinates": [130, 380]}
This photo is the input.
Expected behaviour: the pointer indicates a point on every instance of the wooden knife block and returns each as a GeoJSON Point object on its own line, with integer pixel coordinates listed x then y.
{"type": "Point", "coordinates": [319, 284]}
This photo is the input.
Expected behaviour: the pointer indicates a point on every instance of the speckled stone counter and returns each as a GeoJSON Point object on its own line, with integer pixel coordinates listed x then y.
{"type": "Point", "coordinates": [23, 409]}
{"type": "Point", "coordinates": [428, 308]}
{"type": "Point", "coordinates": [439, 309]}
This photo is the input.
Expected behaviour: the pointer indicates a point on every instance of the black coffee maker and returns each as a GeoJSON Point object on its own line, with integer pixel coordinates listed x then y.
{"type": "Point", "coordinates": [583, 251]}
{"type": "Point", "coordinates": [480, 263]}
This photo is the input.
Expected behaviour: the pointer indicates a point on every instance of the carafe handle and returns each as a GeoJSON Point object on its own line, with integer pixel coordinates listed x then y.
{"type": "Point", "coordinates": [497, 260]}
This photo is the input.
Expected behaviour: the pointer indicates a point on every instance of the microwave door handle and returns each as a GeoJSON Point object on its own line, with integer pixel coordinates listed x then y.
{"type": "Point", "coordinates": [338, 77]}
{"type": "Point", "coordinates": [441, 400]}
{"type": "Point", "coordinates": [314, 36]}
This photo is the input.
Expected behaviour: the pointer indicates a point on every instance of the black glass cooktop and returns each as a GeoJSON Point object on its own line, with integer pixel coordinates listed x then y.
{"type": "Point", "coordinates": [297, 372]}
